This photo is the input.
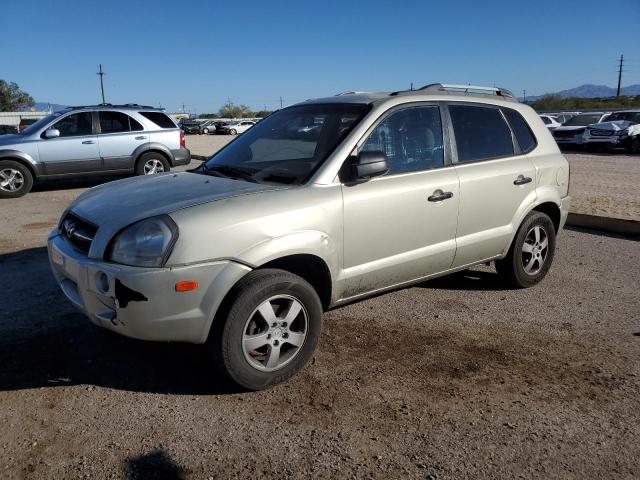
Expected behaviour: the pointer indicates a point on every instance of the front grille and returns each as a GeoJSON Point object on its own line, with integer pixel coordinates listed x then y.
{"type": "Point", "coordinates": [601, 133]}
{"type": "Point", "coordinates": [568, 133]}
{"type": "Point", "coordinates": [78, 232]}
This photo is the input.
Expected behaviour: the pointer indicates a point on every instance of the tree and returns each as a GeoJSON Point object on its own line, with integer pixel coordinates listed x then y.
{"type": "Point", "coordinates": [12, 98]}
{"type": "Point", "coordinates": [231, 110]}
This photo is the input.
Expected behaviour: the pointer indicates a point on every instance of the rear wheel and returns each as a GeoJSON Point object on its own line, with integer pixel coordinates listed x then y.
{"type": "Point", "coordinates": [531, 252]}
{"type": "Point", "coordinates": [205, 131]}
{"type": "Point", "coordinates": [270, 331]}
{"type": "Point", "coordinates": [233, 131]}
{"type": "Point", "coordinates": [150, 163]}
{"type": "Point", "coordinates": [15, 179]}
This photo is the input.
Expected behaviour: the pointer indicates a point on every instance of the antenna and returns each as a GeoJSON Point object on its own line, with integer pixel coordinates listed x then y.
{"type": "Point", "coordinates": [100, 73]}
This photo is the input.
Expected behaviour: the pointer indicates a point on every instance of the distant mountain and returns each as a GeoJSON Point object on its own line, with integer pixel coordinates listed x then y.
{"type": "Point", "coordinates": [591, 91]}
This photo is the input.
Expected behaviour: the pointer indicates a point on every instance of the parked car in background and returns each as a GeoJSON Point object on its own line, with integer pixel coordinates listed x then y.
{"type": "Point", "coordinates": [191, 127]}
{"type": "Point", "coordinates": [234, 128]}
{"type": "Point", "coordinates": [8, 129]}
{"type": "Point", "coordinates": [25, 122]}
{"type": "Point", "coordinates": [572, 131]}
{"type": "Point", "coordinates": [208, 127]}
{"type": "Point", "coordinates": [89, 140]}
{"type": "Point", "coordinates": [245, 252]}
{"type": "Point", "coordinates": [551, 122]}
{"type": "Point", "coordinates": [564, 116]}
{"type": "Point", "coordinates": [620, 129]}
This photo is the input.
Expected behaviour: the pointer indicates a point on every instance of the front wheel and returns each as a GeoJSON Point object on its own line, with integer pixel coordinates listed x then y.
{"type": "Point", "coordinates": [205, 131]}
{"type": "Point", "coordinates": [15, 179]}
{"type": "Point", "coordinates": [270, 331]}
{"type": "Point", "coordinates": [233, 131]}
{"type": "Point", "coordinates": [531, 252]}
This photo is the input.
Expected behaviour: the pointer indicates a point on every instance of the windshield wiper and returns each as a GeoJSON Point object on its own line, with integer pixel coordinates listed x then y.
{"type": "Point", "coordinates": [229, 171]}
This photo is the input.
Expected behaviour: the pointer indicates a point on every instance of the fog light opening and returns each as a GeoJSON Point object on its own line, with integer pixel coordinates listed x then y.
{"type": "Point", "coordinates": [102, 282]}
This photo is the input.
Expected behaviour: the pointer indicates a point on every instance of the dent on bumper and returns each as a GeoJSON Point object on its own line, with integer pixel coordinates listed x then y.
{"type": "Point", "coordinates": [142, 302]}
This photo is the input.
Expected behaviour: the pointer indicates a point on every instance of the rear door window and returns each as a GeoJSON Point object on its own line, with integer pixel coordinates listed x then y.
{"type": "Point", "coordinates": [113, 122]}
{"type": "Point", "coordinates": [481, 133]}
{"type": "Point", "coordinates": [160, 119]}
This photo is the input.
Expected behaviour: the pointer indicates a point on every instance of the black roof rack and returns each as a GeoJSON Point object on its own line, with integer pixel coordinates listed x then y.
{"type": "Point", "coordinates": [464, 89]}
{"type": "Point", "coordinates": [109, 105]}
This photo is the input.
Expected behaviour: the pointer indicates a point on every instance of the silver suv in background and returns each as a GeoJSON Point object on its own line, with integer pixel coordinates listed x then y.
{"type": "Point", "coordinates": [90, 140]}
{"type": "Point", "coordinates": [318, 205]}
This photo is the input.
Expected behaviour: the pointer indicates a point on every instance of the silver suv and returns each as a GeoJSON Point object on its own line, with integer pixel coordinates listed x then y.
{"type": "Point", "coordinates": [320, 204]}
{"type": "Point", "coordinates": [79, 141]}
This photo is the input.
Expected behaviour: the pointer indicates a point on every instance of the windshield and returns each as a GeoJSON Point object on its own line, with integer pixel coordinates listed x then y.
{"type": "Point", "coordinates": [33, 128]}
{"type": "Point", "coordinates": [630, 116]}
{"type": "Point", "coordinates": [583, 120]}
{"type": "Point", "coordinates": [289, 145]}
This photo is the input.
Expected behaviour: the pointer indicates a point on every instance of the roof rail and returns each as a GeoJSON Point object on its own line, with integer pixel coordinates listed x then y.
{"type": "Point", "coordinates": [464, 89]}
{"type": "Point", "coordinates": [350, 92]}
{"type": "Point", "coordinates": [125, 105]}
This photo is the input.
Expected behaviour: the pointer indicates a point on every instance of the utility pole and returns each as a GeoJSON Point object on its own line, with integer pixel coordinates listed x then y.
{"type": "Point", "coordinates": [411, 88]}
{"type": "Point", "coordinates": [524, 96]}
{"type": "Point", "coordinates": [280, 102]}
{"type": "Point", "coordinates": [620, 74]}
{"type": "Point", "coordinates": [101, 74]}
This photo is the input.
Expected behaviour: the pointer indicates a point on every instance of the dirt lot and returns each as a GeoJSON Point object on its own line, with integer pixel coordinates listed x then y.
{"type": "Point", "coordinates": [455, 378]}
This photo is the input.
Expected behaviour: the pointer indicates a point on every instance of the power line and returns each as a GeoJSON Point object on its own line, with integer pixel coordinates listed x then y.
{"type": "Point", "coordinates": [620, 74]}
{"type": "Point", "coordinates": [100, 73]}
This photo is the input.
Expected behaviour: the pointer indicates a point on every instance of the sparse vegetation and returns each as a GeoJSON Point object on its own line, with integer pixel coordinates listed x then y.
{"type": "Point", "coordinates": [555, 102]}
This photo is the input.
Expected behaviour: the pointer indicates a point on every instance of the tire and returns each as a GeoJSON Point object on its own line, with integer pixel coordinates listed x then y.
{"type": "Point", "coordinates": [16, 180]}
{"type": "Point", "coordinates": [244, 346]}
{"type": "Point", "coordinates": [205, 131]}
{"type": "Point", "coordinates": [633, 146]}
{"type": "Point", "coordinates": [150, 163]}
{"type": "Point", "coordinates": [233, 131]}
{"type": "Point", "coordinates": [520, 268]}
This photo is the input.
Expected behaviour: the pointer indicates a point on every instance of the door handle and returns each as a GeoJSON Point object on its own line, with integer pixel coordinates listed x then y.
{"type": "Point", "coordinates": [439, 195]}
{"type": "Point", "coordinates": [141, 137]}
{"type": "Point", "coordinates": [88, 142]}
{"type": "Point", "coordinates": [521, 180]}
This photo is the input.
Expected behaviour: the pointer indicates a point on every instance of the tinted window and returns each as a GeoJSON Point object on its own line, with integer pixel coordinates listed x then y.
{"type": "Point", "coordinates": [113, 122]}
{"type": "Point", "coordinates": [159, 118]}
{"type": "Point", "coordinates": [74, 125]}
{"type": "Point", "coordinates": [411, 139]}
{"type": "Point", "coordinates": [545, 120]}
{"type": "Point", "coordinates": [135, 125]}
{"type": "Point", "coordinates": [481, 133]}
{"type": "Point", "coordinates": [524, 136]}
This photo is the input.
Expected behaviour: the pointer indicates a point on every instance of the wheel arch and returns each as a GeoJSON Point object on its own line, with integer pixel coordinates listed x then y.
{"type": "Point", "coordinates": [152, 148]}
{"type": "Point", "coordinates": [22, 159]}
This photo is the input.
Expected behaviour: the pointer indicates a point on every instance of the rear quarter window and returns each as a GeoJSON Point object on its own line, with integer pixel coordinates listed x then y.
{"type": "Point", "coordinates": [159, 118]}
{"type": "Point", "coordinates": [524, 136]}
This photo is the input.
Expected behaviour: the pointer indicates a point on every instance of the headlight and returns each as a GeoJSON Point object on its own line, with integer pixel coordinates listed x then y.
{"type": "Point", "coordinates": [147, 243]}
{"type": "Point", "coordinates": [624, 131]}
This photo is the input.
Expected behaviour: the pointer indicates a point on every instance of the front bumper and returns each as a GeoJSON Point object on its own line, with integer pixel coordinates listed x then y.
{"type": "Point", "coordinates": [181, 156]}
{"type": "Point", "coordinates": [142, 302]}
{"type": "Point", "coordinates": [575, 140]}
{"type": "Point", "coordinates": [607, 140]}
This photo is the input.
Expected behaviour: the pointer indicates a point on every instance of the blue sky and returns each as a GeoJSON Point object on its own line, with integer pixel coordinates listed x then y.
{"type": "Point", "coordinates": [201, 53]}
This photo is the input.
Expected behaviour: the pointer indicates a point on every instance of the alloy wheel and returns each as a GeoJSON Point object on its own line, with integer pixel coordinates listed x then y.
{"type": "Point", "coordinates": [534, 250]}
{"type": "Point", "coordinates": [153, 166]}
{"type": "Point", "coordinates": [275, 332]}
{"type": "Point", "coordinates": [11, 180]}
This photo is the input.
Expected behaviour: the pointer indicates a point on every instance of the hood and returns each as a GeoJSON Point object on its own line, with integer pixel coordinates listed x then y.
{"type": "Point", "coordinates": [10, 139]}
{"type": "Point", "coordinates": [115, 205]}
{"type": "Point", "coordinates": [568, 128]}
{"type": "Point", "coordinates": [615, 126]}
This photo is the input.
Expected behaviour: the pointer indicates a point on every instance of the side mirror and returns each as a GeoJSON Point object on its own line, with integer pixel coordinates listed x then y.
{"type": "Point", "coordinates": [368, 165]}
{"type": "Point", "coordinates": [52, 133]}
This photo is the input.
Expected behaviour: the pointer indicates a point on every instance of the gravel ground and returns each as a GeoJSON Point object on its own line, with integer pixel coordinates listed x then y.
{"type": "Point", "coordinates": [604, 184]}
{"type": "Point", "coordinates": [455, 378]}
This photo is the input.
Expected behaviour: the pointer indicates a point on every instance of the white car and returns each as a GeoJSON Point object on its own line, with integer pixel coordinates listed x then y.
{"type": "Point", "coordinates": [550, 121]}
{"type": "Point", "coordinates": [620, 129]}
{"type": "Point", "coordinates": [572, 131]}
{"type": "Point", "coordinates": [234, 128]}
